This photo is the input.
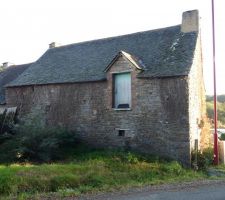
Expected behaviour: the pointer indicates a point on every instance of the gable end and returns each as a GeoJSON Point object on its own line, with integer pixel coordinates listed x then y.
{"type": "Point", "coordinates": [132, 59]}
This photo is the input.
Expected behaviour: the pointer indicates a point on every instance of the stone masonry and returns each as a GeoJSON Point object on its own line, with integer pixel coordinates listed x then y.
{"type": "Point", "coordinates": [157, 122]}
{"type": "Point", "coordinates": [167, 112]}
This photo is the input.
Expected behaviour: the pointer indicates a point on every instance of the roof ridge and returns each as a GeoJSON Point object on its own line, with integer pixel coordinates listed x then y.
{"type": "Point", "coordinates": [86, 61]}
{"type": "Point", "coordinates": [21, 64]}
{"type": "Point", "coordinates": [112, 37]}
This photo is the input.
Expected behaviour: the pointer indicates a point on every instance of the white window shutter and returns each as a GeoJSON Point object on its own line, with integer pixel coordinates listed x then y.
{"type": "Point", "coordinates": [122, 90]}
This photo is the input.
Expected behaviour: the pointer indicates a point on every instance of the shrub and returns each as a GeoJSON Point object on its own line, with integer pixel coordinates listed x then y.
{"type": "Point", "coordinates": [34, 142]}
{"type": "Point", "coordinates": [7, 122]}
{"type": "Point", "coordinates": [222, 136]}
{"type": "Point", "coordinates": [45, 144]}
{"type": "Point", "coordinates": [131, 158]}
{"type": "Point", "coordinates": [204, 158]}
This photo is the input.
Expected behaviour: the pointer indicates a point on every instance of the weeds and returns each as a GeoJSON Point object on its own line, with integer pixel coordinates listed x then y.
{"type": "Point", "coordinates": [204, 158]}
{"type": "Point", "coordinates": [94, 170]}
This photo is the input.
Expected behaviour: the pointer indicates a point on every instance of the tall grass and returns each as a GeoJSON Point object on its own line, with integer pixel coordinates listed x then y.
{"type": "Point", "coordinates": [90, 172]}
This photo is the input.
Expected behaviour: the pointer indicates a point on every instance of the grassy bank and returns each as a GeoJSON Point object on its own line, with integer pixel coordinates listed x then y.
{"type": "Point", "coordinates": [91, 171]}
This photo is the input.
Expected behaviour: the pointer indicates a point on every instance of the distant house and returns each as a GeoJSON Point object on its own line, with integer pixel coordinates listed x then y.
{"type": "Point", "coordinates": [8, 73]}
{"type": "Point", "coordinates": [142, 91]}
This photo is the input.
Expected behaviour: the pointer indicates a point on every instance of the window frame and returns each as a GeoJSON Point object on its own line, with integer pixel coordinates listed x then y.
{"type": "Point", "coordinates": [113, 89]}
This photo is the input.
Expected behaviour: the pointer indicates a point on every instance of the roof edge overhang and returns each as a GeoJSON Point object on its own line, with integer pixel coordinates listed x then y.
{"type": "Point", "coordinates": [55, 83]}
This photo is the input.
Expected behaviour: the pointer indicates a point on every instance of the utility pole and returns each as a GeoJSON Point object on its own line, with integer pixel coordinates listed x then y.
{"type": "Point", "coordinates": [216, 156]}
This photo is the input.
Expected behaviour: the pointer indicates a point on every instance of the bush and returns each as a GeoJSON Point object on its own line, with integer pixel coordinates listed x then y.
{"type": "Point", "coordinates": [7, 123]}
{"type": "Point", "coordinates": [44, 145]}
{"type": "Point", "coordinates": [204, 158]}
{"type": "Point", "coordinates": [36, 143]}
{"type": "Point", "coordinates": [222, 136]}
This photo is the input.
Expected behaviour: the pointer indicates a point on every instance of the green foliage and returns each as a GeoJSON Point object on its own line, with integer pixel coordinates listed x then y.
{"type": "Point", "coordinates": [44, 145]}
{"type": "Point", "coordinates": [36, 143]}
{"type": "Point", "coordinates": [92, 170]}
{"type": "Point", "coordinates": [131, 158]}
{"type": "Point", "coordinates": [222, 136]}
{"type": "Point", "coordinates": [220, 109]}
{"type": "Point", "coordinates": [220, 98]}
{"type": "Point", "coordinates": [204, 158]}
{"type": "Point", "coordinates": [84, 169]}
{"type": "Point", "coordinates": [7, 123]}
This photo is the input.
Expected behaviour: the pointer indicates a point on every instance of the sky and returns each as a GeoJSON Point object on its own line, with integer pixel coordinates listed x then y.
{"type": "Point", "coordinates": [28, 26]}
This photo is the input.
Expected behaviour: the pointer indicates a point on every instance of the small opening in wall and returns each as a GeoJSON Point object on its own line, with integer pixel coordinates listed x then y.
{"type": "Point", "coordinates": [121, 133]}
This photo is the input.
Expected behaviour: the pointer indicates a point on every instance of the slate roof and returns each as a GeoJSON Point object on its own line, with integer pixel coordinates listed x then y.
{"type": "Point", "coordinates": [164, 52]}
{"type": "Point", "coordinates": [9, 74]}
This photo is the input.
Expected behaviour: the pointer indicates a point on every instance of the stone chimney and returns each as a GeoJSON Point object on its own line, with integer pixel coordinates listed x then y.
{"type": "Point", "coordinates": [190, 21]}
{"type": "Point", "coordinates": [53, 45]}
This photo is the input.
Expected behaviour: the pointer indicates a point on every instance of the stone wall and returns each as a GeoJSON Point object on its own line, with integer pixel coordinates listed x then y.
{"type": "Point", "coordinates": [157, 122]}
{"type": "Point", "coordinates": [199, 124]}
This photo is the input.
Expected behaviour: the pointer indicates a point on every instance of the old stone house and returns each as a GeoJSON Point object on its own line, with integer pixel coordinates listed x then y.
{"type": "Point", "coordinates": [8, 73]}
{"type": "Point", "coordinates": [142, 91]}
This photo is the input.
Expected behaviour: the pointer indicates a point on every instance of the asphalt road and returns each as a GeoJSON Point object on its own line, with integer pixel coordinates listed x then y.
{"type": "Point", "coordinates": [201, 191]}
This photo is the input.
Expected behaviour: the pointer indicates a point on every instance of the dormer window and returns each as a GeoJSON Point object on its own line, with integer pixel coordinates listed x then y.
{"type": "Point", "coordinates": [122, 90]}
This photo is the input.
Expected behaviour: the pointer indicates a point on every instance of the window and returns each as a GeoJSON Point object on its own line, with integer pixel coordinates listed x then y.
{"type": "Point", "coordinates": [121, 133]}
{"type": "Point", "coordinates": [122, 91]}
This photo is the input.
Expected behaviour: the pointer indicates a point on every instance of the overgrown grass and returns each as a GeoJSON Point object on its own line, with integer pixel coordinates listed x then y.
{"type": "Point", "coordinates": [90, 171]}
